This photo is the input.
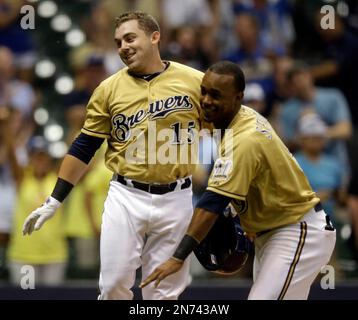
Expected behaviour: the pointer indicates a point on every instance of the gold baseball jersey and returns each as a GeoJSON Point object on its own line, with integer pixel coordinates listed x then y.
{"type": "Point", "coordinates": [257, 171]}
{"type": "Point", "coordinates": [149, 125]}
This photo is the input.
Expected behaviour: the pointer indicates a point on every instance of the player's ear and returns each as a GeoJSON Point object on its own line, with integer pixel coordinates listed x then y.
{"type": "Point", "coordinates": [239, 97]}
{"type": "Point", "coordinates": [155, 38]}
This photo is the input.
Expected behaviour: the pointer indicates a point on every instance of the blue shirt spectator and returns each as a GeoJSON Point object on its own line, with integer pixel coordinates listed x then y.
{"type": "Point", "coordinates": [329, 104]}
{"type": "Point", "coordinates": [332, 108]}
{"type": "Point", "coordinates": [339, 63]}
{"type": "Point", "coordinates": [323, 174]}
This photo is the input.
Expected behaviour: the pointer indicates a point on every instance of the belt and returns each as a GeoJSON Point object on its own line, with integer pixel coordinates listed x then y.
{"type": "Point", "coordinates": [318, 207]}
{"type": "Point", "coordinates": [154, 188]}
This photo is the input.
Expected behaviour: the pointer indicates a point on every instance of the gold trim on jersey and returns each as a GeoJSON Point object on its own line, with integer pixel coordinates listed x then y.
{"type": "Point", "coordinates": [226, 193]}
{"type": "Point", "coordinates": [295, 260]}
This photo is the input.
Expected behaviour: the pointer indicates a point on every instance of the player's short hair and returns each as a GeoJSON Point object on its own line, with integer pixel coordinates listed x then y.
{"type": "Point", "coordinates": [230, 68]}
{"type": "Point", "coordinates": [146, 22]}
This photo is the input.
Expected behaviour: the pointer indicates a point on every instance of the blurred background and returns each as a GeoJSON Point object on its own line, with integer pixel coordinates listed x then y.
{"type": "Point", "coordinates": [302, 76]}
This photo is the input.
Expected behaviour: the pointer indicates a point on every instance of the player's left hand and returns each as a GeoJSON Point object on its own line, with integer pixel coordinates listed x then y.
{"type": "Point", "coordinates": [165, 269]}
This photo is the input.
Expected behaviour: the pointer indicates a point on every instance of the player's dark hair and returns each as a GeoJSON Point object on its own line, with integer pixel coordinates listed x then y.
{"type": "Point", "coordinates": [230, 68]}
{"type": "Point", "coordinates": [145, 21]}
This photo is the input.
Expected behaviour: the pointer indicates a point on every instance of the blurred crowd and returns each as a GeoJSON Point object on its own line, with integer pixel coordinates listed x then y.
{"type": "Point", "coordinates": [301, 76]}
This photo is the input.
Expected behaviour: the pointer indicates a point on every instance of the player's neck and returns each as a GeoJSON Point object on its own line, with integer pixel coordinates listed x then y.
{"type": "Point", "coordinates": [226, 122]}
{"type": "Point", "coordinates": [150, 76]}
{"type": "Point", "coordinates": [154, 65]}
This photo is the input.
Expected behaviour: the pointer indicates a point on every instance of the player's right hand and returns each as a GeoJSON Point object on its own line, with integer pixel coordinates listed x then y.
{"type": "Point", "coordinates": [167, 268]}
{"type": "Point", "coordinates": [38, 217]}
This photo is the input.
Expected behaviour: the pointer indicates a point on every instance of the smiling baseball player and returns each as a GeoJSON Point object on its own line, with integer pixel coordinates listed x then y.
{"type": "Point", "coordinates": [148, 206]}
{"type": "Point", "coordinates": [264, 184]}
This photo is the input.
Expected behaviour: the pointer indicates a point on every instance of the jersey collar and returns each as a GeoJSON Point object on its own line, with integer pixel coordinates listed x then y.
{"type": "Point", "coordinates": [148, 77]}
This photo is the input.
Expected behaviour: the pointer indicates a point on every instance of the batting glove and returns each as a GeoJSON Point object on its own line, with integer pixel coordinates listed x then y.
{"type": "Point", "coordinates": [38, 217]}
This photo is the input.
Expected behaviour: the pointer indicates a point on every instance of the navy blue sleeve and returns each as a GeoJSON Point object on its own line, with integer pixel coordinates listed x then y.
{"type": "Point", "coordinates": [213, 202]}
{"type": "Point", "coordinates": [84, 147]}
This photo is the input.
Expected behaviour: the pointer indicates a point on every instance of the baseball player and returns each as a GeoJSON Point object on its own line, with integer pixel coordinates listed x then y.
{"type": "Point", "coordinates": [148, 207]}
{"type": "Point", "coordinates": [262, 181]}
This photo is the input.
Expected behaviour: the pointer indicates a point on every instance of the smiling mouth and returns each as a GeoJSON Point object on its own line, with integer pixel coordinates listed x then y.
{"type": "Point", "coordinates": [128, 56]}
{"type": "Point", "coordinates": [210, 109]}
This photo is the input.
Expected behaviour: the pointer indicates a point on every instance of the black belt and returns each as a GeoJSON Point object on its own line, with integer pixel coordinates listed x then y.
{"type": "Point", "coordinates": [155, 188]}
{"type": "Point", "coordinates": [318, 207]}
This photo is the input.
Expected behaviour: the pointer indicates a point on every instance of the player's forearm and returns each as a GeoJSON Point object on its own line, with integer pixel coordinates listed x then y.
{"type": "Point", "coordinates": [201, 223]}
{"type": "Point", "coordinates": [72, 169]}
{"type": "Point", "coordinates": [199, 227]}
{"type": "Point", "coordinates": [74, 164]}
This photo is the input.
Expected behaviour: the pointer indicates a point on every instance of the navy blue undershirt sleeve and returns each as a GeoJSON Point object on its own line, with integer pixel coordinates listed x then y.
{"type": "Point", "coordinates": [84, 147]}
{"type": "Point", "coordinates": [213, 202]}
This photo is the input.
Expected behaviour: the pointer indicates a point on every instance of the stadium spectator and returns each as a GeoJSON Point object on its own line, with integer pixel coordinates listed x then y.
{"type": "Point", "coordinates": [90, 71]}
{"type": "Point", "coordinates": [275, 21]}
{"type": "Point", "coordinates": [14, 37]}
{"type": "Point", "coordinates": [330, 104]}
{"type": "Point", "coordinates": [324, 172]}
{"type": "Point", "coordinates": [10, 175]}
{"type": "Point", "coordinates": [252, 54]}
{"type": "Point", "coordinates": [83, 216]}
{"type": "Point", "coordinates": [254, 97]}
{"type": "Point", "coordinates": [46, 252]}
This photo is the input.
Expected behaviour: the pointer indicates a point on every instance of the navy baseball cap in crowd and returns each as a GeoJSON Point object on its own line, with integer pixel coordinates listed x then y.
{"type": "Point", "coordinates": [38, 144]}
{"type": "Point", "coordinates": [95, 60]}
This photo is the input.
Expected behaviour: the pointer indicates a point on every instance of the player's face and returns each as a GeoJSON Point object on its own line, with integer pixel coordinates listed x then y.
{"type": "Point", "coordinates": [219, 98]}
{"type": "Point", "coordinates": [135, 47]}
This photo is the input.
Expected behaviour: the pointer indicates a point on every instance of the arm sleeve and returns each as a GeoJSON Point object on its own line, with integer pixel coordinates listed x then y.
{"type": "Point", "coordinates": [213, 202]}
{"type": "Point", "coordinates": [97, 122]}
{"type": "Point", "coordinates": [234, 171]}
{"type": "Point", "coordinates": [84, 147]}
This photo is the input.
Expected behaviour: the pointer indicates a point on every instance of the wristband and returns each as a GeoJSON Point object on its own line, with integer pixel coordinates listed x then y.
{"type": "Point", "coordinates": [52, 202]}
{"type": "Point", "coordinates": [61, 190]}
{"type": "Point", "coordinates": [186, 246]}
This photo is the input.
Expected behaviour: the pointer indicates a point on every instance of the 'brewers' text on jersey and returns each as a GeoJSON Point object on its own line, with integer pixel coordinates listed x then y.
{"type": "Point", "coordinates": [124, 108]}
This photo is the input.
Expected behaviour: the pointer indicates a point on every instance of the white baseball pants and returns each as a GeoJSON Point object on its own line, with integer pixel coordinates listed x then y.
{"type": "Point", "coordinates": [288, 259]}
{"type": "Point", "coordinates": [142, 229]}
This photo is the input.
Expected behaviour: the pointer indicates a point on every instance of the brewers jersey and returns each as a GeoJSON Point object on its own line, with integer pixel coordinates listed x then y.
{"type": "Point", "coordinates": [149, 125]}
{"type": "Point", "coordinates": [258, 172]}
